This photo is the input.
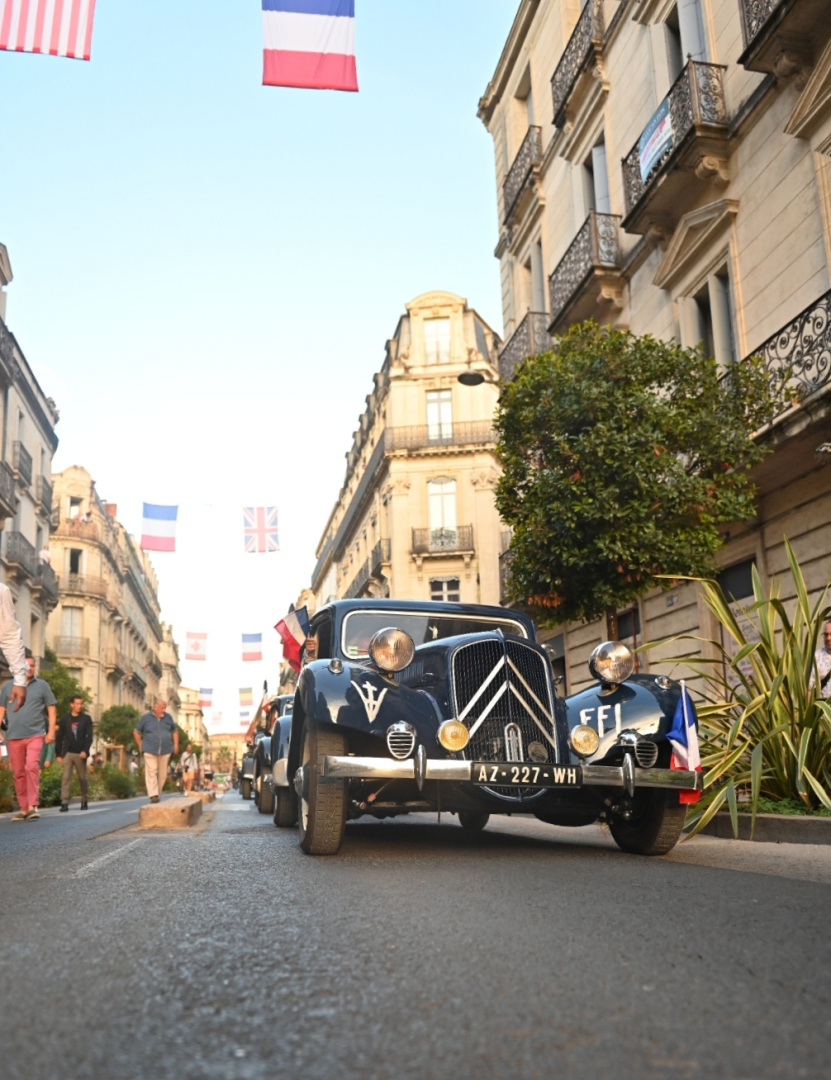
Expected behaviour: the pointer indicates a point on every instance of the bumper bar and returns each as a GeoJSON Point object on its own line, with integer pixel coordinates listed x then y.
{"type": "Point", "coordinates": [376, 768]}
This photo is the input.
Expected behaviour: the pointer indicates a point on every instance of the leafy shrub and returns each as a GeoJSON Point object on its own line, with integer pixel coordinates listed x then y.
{"type": "Point", "coordinates": [7, 799]}
{"type": "Point", "coordinates": [120, 785]}
{"type": "Point", "coordinates": [50, 785]}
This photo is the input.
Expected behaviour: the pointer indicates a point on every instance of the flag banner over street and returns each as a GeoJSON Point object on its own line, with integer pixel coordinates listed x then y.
{"type": "Point", "coordinates": [158, 527]}
{"type": "Point", "coordinates": [205, 698]}
{"type": "Point", "coordinates": [196, 646]}
{"type": "Point", "coordinates": [293, 629]}
{"type": "Point", "coordinates": [260, 523]}
{"type": "Point", "coordinates": [684, 738]}
{"type": "Point", "coordinates": [53, 27]}
{"type": "Point", "coordinates": [246, 696]}
{"type": "Point", "coordinates": [309, 44]}
{"type": "Point", "coordinates": [252, 646]}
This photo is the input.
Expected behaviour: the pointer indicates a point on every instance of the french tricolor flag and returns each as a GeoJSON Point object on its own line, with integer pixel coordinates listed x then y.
{"type": "Point", "coordinates": [683, 736]}
{"type": "Point", "coordinates": [158, 527]}
{"type": "Point", "coordinates": [294, 629]}
{"type": "Point", "coordinates": [309, 43]}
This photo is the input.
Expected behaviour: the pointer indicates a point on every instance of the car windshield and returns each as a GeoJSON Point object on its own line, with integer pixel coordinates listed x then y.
{"type": "Point", "coordinates": [359, 626]}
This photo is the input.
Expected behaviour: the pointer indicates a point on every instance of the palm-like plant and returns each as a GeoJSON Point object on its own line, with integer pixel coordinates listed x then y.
{"type": "Point", "coordinates": [763, 725]}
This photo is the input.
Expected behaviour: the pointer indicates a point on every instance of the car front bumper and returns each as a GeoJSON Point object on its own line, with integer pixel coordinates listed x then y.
{"type": "Point", "coordinates": [420, 768]}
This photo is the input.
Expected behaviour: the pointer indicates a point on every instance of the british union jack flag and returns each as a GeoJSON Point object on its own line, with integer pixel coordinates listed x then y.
{"type": "Point", "coordinates": [261, 529]}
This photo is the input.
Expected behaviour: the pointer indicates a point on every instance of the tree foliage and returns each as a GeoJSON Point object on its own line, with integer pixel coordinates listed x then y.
{"type": "Point", "coordinates": [116, 726]}
{"type": "Point", "coordinates": [63, 683]}
{"type": "Point", "coordinates": [622, 456]}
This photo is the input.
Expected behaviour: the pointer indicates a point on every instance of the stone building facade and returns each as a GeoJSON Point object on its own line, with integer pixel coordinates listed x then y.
{"type": "Point", "coordinates": [415, 517]}
{"type": "Point", "coordinates": [665, 165]}
{"type": "Point", "coordinates": [27, 444]}
{"type": "Point", "coordinates": [106, 627]}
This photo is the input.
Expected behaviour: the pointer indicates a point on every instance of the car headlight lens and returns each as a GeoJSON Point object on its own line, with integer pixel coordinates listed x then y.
{"type": "Point", "coordinates": [584, 740]}
{"type": "Point", "coordinates": [453, 735]}
{"type": "Point", "coordinates": [611, 662]}
{"type": "Point", "coordinates": [391, 649]}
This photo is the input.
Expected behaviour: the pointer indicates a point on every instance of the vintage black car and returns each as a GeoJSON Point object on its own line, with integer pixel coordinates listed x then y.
{"type": "Point", "coordinates": [406, 706]}
{"type": "Point", "coordinates": [277, 706]}
{"type": "Point", "coordinates": [246, 769]}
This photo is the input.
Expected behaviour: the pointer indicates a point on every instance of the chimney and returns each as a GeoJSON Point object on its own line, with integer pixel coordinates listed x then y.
{"type": "Point", "coordinates": [111, 508]}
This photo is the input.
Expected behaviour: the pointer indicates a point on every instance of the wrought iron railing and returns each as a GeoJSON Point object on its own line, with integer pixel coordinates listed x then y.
{"type": "Point", "coordinates": [116, 660]}
{"type": "Point", "coordinates": [358, 582]}
{"type": "Point", "coordinates": [43, 493]}
{"type": "Point", "coordinates": [381, 553]}
{"type": "Point", "coordinates": [46, 577]}
{"type": "Point", "coordinates": [803, 346]}
{"type": "Point", "coordinates": [696, 97]}
{"type": "Point", "coordinates": [7, 493]}
{"type": "Point", "coordinates": [71, 646]}
{"type": "Point", "coordinates": [529, 338]}
{"type": "Point", "coordinates": [595, 247]}
{"type": "Point", "coordinates": [22, 462]}
{"type": "Point", "coordinates": [138, 673]}
{"type": "Point", "coordinates": [84, 584]}
{"type": "Point", "coordinates": [529, 155]}
{"type": "Point", "coordinates": [755, 13]}
{"type": "Point", "coordinates": [154, 663]}
{"type": "Point", "coordinates": [586, 37]}
{"type": "Point", "coordinates": [21, 552]}
{"type": "Point", "coordinates": [427, 541]}
{"type": "Point", "coordinates": [420, 436]}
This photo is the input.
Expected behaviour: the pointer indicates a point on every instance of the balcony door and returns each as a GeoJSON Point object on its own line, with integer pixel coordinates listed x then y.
{"type": "Point", "coordinates": [437, 341]}
{"type": "Point", "coordinates": [439, 416]}
{"type": "Point", "coordinates": [441, 500]}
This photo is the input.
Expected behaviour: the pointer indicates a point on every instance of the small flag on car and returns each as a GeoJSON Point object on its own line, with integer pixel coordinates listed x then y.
{"type": "Point", "coordinates": [252, 646]}
{"type": "Point", "coordinates": [205, 698]}
{"type": "Point", "coordinates": [54, 27]}
{"type": "Point", "coordinates": [309, 44]}
{"type": "Point", "coordinates": [196, 645]}
{"type": "Point", "coordinates": [293, 629]}
{"type": "Point", "coordinates": [158, 527]}
{"type": "Point", "coordinates": [684, 738]}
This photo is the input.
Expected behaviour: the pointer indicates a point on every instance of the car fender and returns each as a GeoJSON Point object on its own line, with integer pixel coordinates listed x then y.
{"type": "Point", "coordinates": [641, 704]}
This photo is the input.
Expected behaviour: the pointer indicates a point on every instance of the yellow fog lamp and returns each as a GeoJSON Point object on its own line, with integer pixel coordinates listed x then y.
{"type": "Point", "coordinates": [453, 735]}
{"type": "Point", "coordinates": [391, 649]}
{"type": "Point", "coordinates": [584, 740]}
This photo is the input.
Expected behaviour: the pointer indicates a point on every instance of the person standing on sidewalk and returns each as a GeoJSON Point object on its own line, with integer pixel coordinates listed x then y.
{"type": "Point", "coordinates": [157, 737]}
{"type": "Point", "coordinates": [72, 746]}
{"type": "Point", "coordinates": [30, 725]}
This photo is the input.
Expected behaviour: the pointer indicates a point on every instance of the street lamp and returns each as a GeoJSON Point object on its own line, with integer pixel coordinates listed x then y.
{"type": "Point", "coordinates": [475, 378]}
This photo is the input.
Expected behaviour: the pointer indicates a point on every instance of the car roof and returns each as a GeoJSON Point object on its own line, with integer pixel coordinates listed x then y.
{"type": "Point", "coordinates": [340, 608]}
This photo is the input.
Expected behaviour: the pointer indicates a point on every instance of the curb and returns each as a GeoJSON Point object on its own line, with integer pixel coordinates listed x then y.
{"type": "Point", "coordinates": [772, 829]}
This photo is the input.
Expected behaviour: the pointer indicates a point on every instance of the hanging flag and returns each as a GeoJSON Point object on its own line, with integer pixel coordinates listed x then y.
{"type": "Point", "coordinates": [252, 646]}
{"type": "Point", "coordinates": [195, 646]}
{"type": "Point", "coordinates": [684, 738]}
{"type": "Point", "coordinates": [293, 629]}
{"type": "Point", "coordinates": [158, 528]}
{"type": "Point", "coordinates": [55, 27]}
{"type": "Point", "coordinates": [246, 697]}
{"type": "Point", "coordinates": [310, 44]}
{"type": "Point", "coordinates": [260, 529]}
{"type": "Point", "coordinates": [205, 698]}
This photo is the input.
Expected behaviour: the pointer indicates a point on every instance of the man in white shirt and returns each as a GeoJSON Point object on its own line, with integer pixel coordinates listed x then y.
{"type": "Point", "coordinates": [823, 662]}
{"type": "Point", "coordinates": [188, 763]}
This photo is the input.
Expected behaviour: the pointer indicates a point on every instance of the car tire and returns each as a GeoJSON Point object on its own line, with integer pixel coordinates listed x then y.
{"type": "Point", "coordinates": [265, 801]}
{"type": "Point", "coordinates": [245, 789]}
{"type": "Point", "coordinates": [285, 808]}
{"type": "Point", "coordinates": [322, 810]}
{"type": "Point", "coordinates": [656, 824]}
{"type": "Point", "coordinates": [473, 821]}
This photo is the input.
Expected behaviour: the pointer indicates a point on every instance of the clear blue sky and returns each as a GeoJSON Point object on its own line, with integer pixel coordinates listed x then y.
{"type": "Point", "coordinates": [206, 270]}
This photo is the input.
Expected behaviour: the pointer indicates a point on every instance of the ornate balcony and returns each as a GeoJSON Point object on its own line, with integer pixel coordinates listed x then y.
{"type": "Point", "coordinates": [358, 582]}
{"type": "Point", "coordinates": [783, 37]}
{"type": "Point", "coordinates": [529, 338]}
{"type": "Point", "coordinates": [804, 346]}
{"type": "Point", "coordinates": [154, 663]}
{"type": "Point", "coordinates": [116, 662]}
{"type": "Point", "coordinates": [43, 495]}
{"type": "Point", "coordinates": [381, 554]}
{"type": "Point", "coordinates": [22, 463]}
{"type": "Point", "coordinates": [583, 46]}
{"type": "Point", "coordinates": [524, 167]}
{"type": "Point", "coordinates": [588, 272]}
{"type": "Point", "coordinates": [84, 585]}
{"type": "Point", "coordinates": [424, 436]}
{"type": "Point", "coordinates": [71, 646]}
{"type": "Point", "coordinates": [8, 499]}
{"type": "Point", "coordinates": [21, 556]}
{"type": "Point", "coordinates": [443, 541]}
{"type": "Point", "coordinates": [77, 529]}
{"type": "Point", "coordinates": [682, 146]}
{"type": "Point", "coordinates": [46, 582]}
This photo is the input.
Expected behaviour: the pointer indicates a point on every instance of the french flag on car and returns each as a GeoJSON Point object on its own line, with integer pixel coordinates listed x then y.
{"type": "Point", "coordinates": [310, 44]}
{"type": "Point", "coordinates": [684, 738]}
{"type": "Point", "coordinates": [293, 629]}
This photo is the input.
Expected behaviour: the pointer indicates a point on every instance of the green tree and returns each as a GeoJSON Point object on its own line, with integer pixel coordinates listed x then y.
{"type": "Point", "coordinates": [116, 726]}
{"type": "Point", "coordinates": [623, 456]}
{"type": "Point", "coordinates": [63, 683]}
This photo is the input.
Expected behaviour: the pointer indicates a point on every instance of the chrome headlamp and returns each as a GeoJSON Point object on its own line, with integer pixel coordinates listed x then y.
{"type": "Point", "coordinates": [611, 662]}
{"type": "Point", "coordinates": [391, 649]}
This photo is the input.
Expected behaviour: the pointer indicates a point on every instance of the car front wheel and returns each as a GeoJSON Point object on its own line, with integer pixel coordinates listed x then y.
{"type": "Point", "coordinates": [285, 808]}
{"type": "Point", "coordinates": [655, 825]}
{"type": "Point", "coordinates": [321, 802]}
{"type": "Point", "coordinates": [265, 797]}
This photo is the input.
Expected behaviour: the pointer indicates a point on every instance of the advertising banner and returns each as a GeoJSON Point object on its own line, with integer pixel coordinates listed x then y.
{"type": "Point", "coordinates": [656, 139]}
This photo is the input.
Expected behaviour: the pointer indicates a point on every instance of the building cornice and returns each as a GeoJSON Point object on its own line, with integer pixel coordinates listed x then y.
{"type": "Point", "coordinates": [516, 39]}
{"type": "Point", "coordinates": [12, 361]}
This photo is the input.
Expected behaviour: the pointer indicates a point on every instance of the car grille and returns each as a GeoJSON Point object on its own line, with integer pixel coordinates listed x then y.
{"type": "Point", "coordinates": [400, 741]}
{"type": "Point", "coordinates": [502, 694]}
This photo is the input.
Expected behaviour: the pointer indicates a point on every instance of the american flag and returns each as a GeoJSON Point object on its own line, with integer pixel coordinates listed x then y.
{"type": "Point", "coordinates": [260, 529]}
{"type": "Point", "coordinates": [56, 27]}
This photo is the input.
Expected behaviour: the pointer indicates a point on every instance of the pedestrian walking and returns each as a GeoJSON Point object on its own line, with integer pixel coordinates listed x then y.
{"type": "Point", "coordinates": [31, 725]}
{"type": "Point", "coordinates": [157, 737]}
{"type": "Point", "coordinates": [188, 763]}
{"type": "Point", "coordinates": [72, 747]}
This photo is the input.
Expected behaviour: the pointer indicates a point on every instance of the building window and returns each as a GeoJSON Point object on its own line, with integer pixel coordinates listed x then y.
{"type": "Point", "coordinates": [74, 507]}
{"type": "Point", "coordinates": [439, 416]}
{"type": "Point", "coordinates": [75, 560]}
{"type": "Point", "coordinates": [437, 341]}
{"type": "Point", "coordinates": [707, 319]}
{"type": "Point", "coordinates": [737, 581]}
{"type": "Point", "coordinates": [596, 181]}
{"type": "Point", "coordinates": [71, 621]}
{"type": "Point", "coordinates": [447, 590]}
{"type": "Point", "coordinates": [441, 501]}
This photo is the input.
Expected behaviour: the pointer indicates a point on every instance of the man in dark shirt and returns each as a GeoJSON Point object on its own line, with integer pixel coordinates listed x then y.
{"type": "Point", "coordinates": [157, 737]}
{"type": "Point", "coordinates": [72, 745]}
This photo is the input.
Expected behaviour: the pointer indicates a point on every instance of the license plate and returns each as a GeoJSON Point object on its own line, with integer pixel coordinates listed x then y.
{"type": "Point", "coordinates": [504, 774]}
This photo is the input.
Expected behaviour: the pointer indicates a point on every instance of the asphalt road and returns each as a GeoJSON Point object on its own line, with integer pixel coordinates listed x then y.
{"type": "Point", "coordinates": [418, 952]}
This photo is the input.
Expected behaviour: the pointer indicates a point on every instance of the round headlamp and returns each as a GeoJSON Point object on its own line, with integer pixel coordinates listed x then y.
{"type": "Point", "coordinates": [611, 662]}
{"type": "Point", "coordinates": [453, 735]}
{"type": "Point", "coordinates": [584, 740]}
{"type": "Point", "coordinates": [391, 649]}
